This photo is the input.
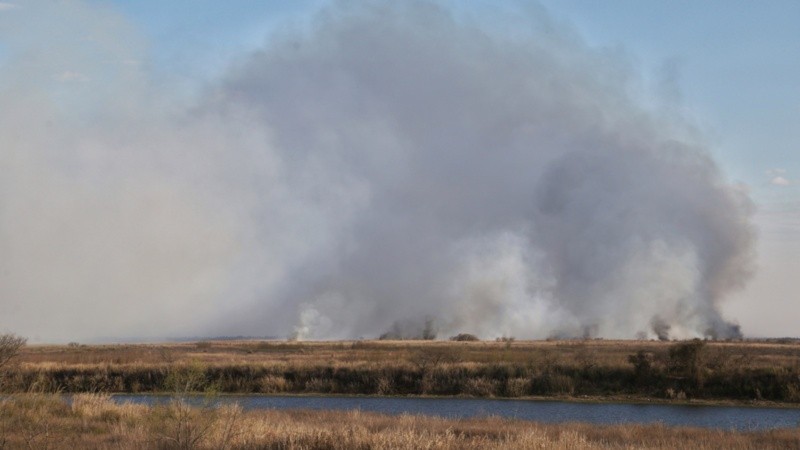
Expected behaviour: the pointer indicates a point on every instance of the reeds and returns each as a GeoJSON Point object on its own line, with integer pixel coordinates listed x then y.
{"type": "Point", "coordinates": [95, 421]}
{"type": "Point", "coordinates": [642, 369]}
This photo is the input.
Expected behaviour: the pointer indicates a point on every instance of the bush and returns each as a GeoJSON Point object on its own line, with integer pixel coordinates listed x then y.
{"type": "Point", "coordinates": [272, 384]}
{"type": "Point", "coordinates": [464, 337]}
{"type": "Point", "coordinates": [10, 345]}
{"type": "Point", "coordinates": [642, 364]}
{"type": "Point", "coordinates": [479, 387]}
{"type": "Point", "coordinates": [320, 385]}
{"type": "Point", "coordinates": [188, 379]}
{"type": "Point", "coordinates": [686, 360]}
{"type": "Point", "coordinates": [552, 383]}
{"type": "Point", "coordinates": [517, 387]}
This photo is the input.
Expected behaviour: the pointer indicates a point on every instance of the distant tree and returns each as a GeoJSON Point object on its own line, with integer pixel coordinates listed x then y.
{"type": "Point", "coordinates": [464, 337]}
{"type": "Point", "coordinates": [412, 330]}
{"type": "Point", "coordinates": [642, 364]}
{"type": "Point", "coordinates": [429, 357]}
{"type": "Point", "coordinates": [686, 360]}
{"type": "Point", "coordinates": [10, 345]}
{"type": "Point", "coordinates": [429, 332]}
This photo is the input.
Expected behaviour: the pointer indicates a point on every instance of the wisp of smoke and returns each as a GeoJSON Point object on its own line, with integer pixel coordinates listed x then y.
{"type": "Point", "coordinates": [392, 163]}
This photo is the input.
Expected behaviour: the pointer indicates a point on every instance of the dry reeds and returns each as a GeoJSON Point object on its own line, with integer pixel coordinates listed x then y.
{"type": "Point", "coordinates": [740, 371]}
{"type": "Point", "coordinates": [95, 421]}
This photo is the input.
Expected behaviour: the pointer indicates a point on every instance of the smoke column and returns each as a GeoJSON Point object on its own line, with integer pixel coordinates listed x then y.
{"type": "Point", "coordinates": [389, 165]}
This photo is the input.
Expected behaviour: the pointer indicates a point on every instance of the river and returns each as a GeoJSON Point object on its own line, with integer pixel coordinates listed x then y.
{"type": "Point", "coordinates": [742, 418]}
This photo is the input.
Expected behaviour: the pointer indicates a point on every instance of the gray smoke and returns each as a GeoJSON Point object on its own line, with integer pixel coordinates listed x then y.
{"type": "Point", "coordinates": [392, 163]}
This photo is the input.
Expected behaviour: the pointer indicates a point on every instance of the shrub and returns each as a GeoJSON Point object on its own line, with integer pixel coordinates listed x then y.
{"type": "Point", "coordinates": [10, 345]}
{"type": "Point", "coordinates": [95, 406]}
{"type": "Point", "coordinates": [517, 387]}
{"type": "Point", "coordinates": [642, 364]}
{"type": "Point", "coordinates": [432, 357]}
{"type": "Point", "coordinates": [187, 379]}
{"type": "Point", "coordinates": [686, 360]}
{"type": "Point", "coordinates": [479, 387]}
{"type": "Point", "coordinates": [272, 384]}
{"type": "Point", "coordinates": [319, 385]}
{"type": "Point", "coordinates": [385, 386]}
{"type": "Point", "coordinates": [464, 337]}
{"type": "Point", "coordinates": [552, 383]}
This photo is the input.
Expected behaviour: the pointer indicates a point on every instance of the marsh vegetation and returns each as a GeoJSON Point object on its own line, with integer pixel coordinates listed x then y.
{"type": "Point", "coordinates": [94, 421]}
{"type": "Point", "coordinates": [670, 371]}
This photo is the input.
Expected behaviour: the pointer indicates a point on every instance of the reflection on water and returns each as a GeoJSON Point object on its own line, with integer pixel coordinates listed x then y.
{"type": "Point", "coordinates": [725, 417]}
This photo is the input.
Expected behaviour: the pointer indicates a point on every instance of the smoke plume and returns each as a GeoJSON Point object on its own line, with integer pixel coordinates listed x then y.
{"type": "Point", "coordinates": [388, 164]}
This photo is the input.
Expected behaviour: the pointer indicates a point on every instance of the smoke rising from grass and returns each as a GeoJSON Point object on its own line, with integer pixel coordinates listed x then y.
{"type": "Point", "coordinates": [390, 164]}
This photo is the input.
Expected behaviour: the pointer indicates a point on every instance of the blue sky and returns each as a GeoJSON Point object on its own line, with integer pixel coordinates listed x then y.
{"type": "Point", "coordinates": [195, 40]}
{"type": "Point", "coordinates": [735, 66]}
{"type": "Point", "coordinates": [731, 67]}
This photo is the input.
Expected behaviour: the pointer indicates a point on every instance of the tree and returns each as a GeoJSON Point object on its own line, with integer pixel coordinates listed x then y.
{"type": "Point", "coordinates": [642, 365]}
{"type": "Point", "coordinates": [686, 360]}
{"type": "Point", "coordinates": [10, 345]}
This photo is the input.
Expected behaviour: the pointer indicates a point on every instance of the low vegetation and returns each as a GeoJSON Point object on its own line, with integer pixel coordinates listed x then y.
{"type": "Point", "coordinates": [94, 421]}
{"type": "Point", "coordinates": [670, 371]}
{"type": "Point", "coordinates": [10, 346]}
{"type": "Point", "coordinates": [465, 337]}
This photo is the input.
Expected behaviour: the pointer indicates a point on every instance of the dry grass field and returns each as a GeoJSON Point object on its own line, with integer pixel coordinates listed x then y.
{"type": "Point", "coordinates": [93, 421]}
{"type": "Point", "coordinates": [748, 354]}
{"type": "Point", "coordinates": [670, 371]}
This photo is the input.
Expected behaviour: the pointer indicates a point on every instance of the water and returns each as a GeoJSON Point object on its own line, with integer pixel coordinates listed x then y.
{"type": "Point", "coordinates": [721, 417]}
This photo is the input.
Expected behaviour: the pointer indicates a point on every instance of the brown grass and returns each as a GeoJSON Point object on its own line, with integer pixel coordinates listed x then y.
{"type": "Point", "coordinates": [729, 371]}
{"type": "Point", "coordinates": [569, 352]}
{"type": "Point", "coordinates": [94, 421]}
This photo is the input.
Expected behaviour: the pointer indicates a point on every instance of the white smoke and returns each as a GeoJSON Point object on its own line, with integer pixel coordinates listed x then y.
{"type": "Point", "coordinates": [390, 164]}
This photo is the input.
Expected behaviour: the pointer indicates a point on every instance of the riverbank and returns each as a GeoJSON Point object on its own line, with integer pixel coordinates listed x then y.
{"type": "Point", "coordinates": [548, 411]}
{"type": "Point", "coordinates": [95, 421]}
{"type": "Point", "coordinates": [741, 373]}
{"type": "Point", "coordinates": [594, 400]}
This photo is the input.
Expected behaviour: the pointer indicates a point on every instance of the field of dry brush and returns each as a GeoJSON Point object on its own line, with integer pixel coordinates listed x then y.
{"type": "Point", "coordinates": [94, 421]}
{"type": "Point", "coordinates": [668, 371]}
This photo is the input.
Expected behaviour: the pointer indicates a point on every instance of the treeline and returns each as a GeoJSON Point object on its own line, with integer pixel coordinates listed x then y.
{"type": "Point", "coordinates": [684, 372]}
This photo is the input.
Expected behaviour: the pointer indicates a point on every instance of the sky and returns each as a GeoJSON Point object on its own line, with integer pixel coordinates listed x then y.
{"type": "Point", "coordinates": [726, 71]}
{"type": "Point", "coordinates": [730, 65]}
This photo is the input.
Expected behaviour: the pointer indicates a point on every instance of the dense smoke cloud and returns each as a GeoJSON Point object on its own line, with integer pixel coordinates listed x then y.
{"type": "Point", "coordinates": [391, 164]}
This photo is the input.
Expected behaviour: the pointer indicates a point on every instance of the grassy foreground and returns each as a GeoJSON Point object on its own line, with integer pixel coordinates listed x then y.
{"type": "Point", "coordinates": [94, 421]}
{"type": "Point", "coordinates": [670, 371]}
